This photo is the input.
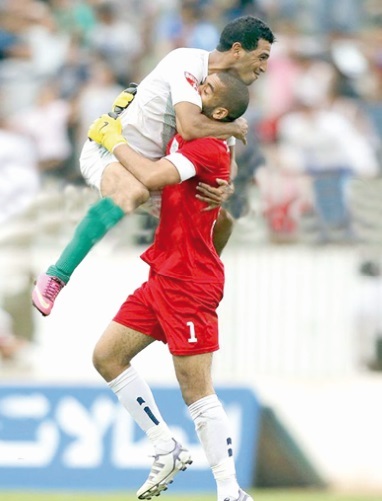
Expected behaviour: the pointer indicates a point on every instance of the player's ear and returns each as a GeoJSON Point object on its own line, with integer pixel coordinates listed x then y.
{"type": "Point", "coordinates": [220, 113]}
{"type": "Point", "coordinates": [236, 49]}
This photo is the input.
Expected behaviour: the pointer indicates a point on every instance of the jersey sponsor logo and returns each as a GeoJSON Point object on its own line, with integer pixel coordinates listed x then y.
{"type": "Point", "coordinates": [191, 80]}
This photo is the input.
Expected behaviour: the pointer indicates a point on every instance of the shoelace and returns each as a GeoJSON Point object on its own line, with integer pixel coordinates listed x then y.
{"type": "Point", "coordinates": [52, 289]}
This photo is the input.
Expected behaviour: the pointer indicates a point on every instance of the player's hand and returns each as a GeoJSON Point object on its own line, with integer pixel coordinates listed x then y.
{"type": "Point", "coordinates": [242, 129]}
{"type": "Point", "coordinates": [214, 196]}
{"type": "Point", "coordinates": [107, 131]}
{"type": "Point", "coordinates": [124, 99]}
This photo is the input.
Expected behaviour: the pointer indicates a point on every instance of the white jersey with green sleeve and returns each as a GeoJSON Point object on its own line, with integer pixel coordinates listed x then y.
{"type": "Point", "coordinates": [149, 122]}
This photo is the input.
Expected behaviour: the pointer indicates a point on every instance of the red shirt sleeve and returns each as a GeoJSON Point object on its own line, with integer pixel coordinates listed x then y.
{"type": "Point", "coordinates": [208, 155]}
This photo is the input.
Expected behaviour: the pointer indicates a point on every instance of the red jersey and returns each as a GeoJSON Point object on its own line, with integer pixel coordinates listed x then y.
{"type": "Point", "coordinates": [183, 246]}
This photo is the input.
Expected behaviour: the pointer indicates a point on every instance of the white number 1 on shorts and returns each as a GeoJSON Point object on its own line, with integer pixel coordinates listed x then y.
{"type": "Point", "coordinates": [192, 338]}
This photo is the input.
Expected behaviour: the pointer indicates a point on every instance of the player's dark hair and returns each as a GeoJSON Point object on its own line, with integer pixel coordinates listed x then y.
{"type": "Point", "coordinates": [247, 30]}
{"type": "Point", "coordinates": [234, 95]}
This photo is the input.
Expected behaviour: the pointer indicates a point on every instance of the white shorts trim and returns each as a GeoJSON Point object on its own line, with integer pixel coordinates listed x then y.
{"type": "Point", "coordinates": [93, 161]}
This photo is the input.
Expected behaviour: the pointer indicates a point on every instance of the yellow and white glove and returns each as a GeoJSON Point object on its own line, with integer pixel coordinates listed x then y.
{"type": "Point", "coordinates": [107, 131]}
{"type": "Point", "coordinates": [124, 99]}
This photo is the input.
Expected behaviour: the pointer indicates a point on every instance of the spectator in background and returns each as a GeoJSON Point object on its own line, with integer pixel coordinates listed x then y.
{"type": "Point", "coordinates": [317, 16]}
{"type": "Point", "coordinates": [49, 45]}
{"type": "Point", "coordinates": [299, 62]}
{"type": "Point", "coordinates": [10, 344]}
{"type": "Point", "coordinates": [249, 159]}
{"type": "Point", "coordinates": [11, 43]}
{"type": "Point", "coordinates": [368, 315]}
{"type": "Point", "coordinates": [41, 40]}
{"type": "Point", "coordinates": [75, 71]}
{"type": "Point", "coordinates": [283, 74]}
{"type": "Point", "coordinates": [320, 142]}
{"type": "Point", "coordinates": [344, 99]}
{"type": "Point", "coordinates": [19, 173]}
{"type": "Point", "coordinates": [77, 18]}
{"type": "Point", "coordinates": [117, 41]}
{"type": "Point", "coordinates": [190, 26]}
{"type": "Point", "coordinates": [46, 124]}
{"type": "Point", "coordinates": [44, 46]}
{"type": "Point", "coordinates": [96, 96]}
{"type": "Point", "coordinates": [285, 195]}
{"type": "Point", "coordinates": [345, 16]}
{"type": "Point", "coordinates": [237, 8]}
{"type": "Point", "coordinates": [16, 78]}
{"type": "Point", "coordinates": [371, 103]}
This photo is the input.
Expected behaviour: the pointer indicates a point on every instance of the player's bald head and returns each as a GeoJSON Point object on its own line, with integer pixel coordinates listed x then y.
{"type": "Point", "coordinates": [230, 93]}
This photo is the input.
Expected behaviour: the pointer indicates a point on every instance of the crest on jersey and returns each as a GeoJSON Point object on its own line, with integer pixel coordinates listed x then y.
{"type": "Point", "coordinates": [191, 80]}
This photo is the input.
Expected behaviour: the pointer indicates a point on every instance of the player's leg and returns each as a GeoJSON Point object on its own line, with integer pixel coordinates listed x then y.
{"type": "Point", "coordinates": [188, 316]}
{"type": "Point", "coordinates": [211, 422]}
{"type": "Point", "coordinates": [112, 356]}
{"type": "Point", "coordinates": [122, 194]}
{"type": "Point", "coordinates": [222, 230]}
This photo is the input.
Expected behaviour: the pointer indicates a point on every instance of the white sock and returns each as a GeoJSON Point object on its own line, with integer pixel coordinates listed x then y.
{"type": "Point", "coordinates": [136, 397]}
{"type": "Point", "coordinates": [213, 429]}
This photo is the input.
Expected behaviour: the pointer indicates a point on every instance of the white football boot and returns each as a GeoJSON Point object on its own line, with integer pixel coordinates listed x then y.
{"type": "Point", "coordinates": [243, 496]}
{"type": "Point", "coordinates": [165, 467]}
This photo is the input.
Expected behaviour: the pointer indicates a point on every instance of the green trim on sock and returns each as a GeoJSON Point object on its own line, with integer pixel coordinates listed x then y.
{"type": "Point", "coordinates": [100, 218]}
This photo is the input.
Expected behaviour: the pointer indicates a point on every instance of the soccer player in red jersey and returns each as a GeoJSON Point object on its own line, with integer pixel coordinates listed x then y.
{"type": "Point", "coordinates": [177, 305]}
{"type": "Point", "coordinates": [166, 101]}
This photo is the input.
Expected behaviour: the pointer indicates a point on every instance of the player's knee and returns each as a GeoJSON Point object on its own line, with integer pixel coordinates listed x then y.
{"type": "Point", "coordinates": [108, 361]}
{"type": "Point", "coordinates": [193, 393]}
{"type": "Point", "coordinates": [132, 198]}
{"type": "Point", "coordinates": [141, 195]}
{"type": "Point", "coordinates": [102, 362]}
{"type": "Point", "coordinates": [98, 360]}
{"type": "Point", "coordinates": [188, 395]}
{"type": "Point", "coordinates": [125, 190]}
{"type": "Point", "coordinates": [194, 390]}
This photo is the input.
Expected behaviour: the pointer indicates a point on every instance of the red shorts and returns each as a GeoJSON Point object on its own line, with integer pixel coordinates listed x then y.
{"type": "Point", "coordinates": [180, 313]}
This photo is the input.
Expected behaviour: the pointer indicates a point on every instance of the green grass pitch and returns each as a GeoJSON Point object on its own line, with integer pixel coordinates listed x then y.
{"type": "Point", "coordinates": [258, 495]}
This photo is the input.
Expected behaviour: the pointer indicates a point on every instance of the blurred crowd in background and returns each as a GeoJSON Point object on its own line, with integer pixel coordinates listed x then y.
{"type": "Point", "coordinates": [311, 171]}
{"type": "Point", "coordinates": [315, 118]}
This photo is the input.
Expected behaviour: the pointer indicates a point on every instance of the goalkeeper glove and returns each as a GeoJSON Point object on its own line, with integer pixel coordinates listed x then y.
{"type": "Point", "coordinates": [107, 131]}
{"type": "Point", "coordinates": [124, 99]}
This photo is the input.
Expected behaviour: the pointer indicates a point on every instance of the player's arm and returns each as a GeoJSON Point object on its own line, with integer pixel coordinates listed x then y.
{"type": "Point", "coordinates": [217, 196]}
{"type": "Point", "coordinates": [107, 131]}
{"type": "Point", "coordinates": [234, 166]}
{"type": "Point", "coordinates": [192, 124]}
{"type": "Point", "coordinates": [152, 174]}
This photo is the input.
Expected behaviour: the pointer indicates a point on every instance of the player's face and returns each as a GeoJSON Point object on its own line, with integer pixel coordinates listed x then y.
{"type": "Point", "coordinates": [209, 91]}
{"type": "Point", "coordinates": [250, 65]}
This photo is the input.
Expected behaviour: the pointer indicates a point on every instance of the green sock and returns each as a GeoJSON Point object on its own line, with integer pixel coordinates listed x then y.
{"type": "Point", "coordinates": [100, 218]}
